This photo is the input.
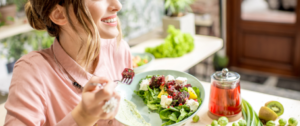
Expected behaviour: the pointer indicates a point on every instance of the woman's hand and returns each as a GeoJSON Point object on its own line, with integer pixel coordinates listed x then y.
{"type": "Point", "coordinates": [89, 110]}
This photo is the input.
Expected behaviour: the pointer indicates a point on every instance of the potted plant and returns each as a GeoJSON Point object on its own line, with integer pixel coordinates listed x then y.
{"type": "Point", "coordinates": [13, 49]}
{"type": "Point", "coordinates": [8, 11]}
{"type": "Point", "coordinates": [220, 61]}
{"type": "Point", "coordinates": [40, 40]}
{"type": "Point", "coordinates": [177, 15]}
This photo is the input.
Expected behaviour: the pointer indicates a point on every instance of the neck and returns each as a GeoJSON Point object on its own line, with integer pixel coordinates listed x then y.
{"type": "Point", "coordinates": [72, 46]}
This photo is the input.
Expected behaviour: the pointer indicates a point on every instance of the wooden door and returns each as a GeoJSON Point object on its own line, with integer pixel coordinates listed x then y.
{"type": "Point", "coordinates": [269, 45]}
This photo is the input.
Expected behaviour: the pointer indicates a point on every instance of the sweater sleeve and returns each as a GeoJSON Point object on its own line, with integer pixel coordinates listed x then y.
{"type": "Point", "coordinates": [26, 103]}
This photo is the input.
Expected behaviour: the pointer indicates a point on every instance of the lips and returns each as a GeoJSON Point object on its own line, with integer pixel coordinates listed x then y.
{"type": "Point", "coordinates": [111, 20]}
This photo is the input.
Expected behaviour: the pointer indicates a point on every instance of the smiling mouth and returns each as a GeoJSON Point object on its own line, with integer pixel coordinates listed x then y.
{"type": "Point", "coordinates": [111, 20]}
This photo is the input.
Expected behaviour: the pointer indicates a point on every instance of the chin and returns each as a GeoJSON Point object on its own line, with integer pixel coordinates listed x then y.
{"type": "Point", "coordinates": [109, 33]}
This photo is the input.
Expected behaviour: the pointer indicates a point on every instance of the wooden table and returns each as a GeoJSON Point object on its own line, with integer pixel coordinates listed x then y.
{"type": "Point", "coordinates": [291, 107]}
{"type": "Point", "coordinates": [205, 46]}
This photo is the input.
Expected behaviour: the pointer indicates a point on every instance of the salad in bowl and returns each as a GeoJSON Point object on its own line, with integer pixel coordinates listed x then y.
{"type": "Point", "coordinates": [160, 98]}
{"type": "Point", "coordinates": [141, 61]}
{"type": "Point", "coordinates": [172, 98]}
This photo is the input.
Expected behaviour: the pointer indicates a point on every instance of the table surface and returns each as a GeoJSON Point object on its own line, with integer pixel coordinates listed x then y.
{"type": "Point", "coordinates": [256, 100]}
{"type": "Point", "coordinates": [205, 46]}
{"type": "Point", "coordinates": [291, 107]}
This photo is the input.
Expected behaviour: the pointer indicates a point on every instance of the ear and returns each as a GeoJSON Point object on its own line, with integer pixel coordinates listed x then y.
{"type": "Point", "coordinates": [58, 15]}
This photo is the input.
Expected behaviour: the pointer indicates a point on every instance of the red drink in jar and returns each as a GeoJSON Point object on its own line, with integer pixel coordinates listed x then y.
{"type": "Point", "coordinates": [225, 94]}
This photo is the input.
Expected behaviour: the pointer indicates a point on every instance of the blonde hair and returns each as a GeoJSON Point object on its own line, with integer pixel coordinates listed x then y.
{"type": "Point", "coordinates": [38, 12]}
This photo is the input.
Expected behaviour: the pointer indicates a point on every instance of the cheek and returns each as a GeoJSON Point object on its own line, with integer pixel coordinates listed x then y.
{"type": "Point", "coordinates": [96, 11]}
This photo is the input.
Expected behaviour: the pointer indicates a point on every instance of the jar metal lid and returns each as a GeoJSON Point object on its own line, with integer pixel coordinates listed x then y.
{"type": "Point", "coordinates": [226, 76]}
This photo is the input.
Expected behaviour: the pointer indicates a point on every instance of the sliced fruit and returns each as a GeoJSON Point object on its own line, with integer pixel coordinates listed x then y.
{"type": "Point", "coordinates": [161, 87]}
{"type": "Point", "coordinates": [145, 61]}
{"type": "Point", "coordinates": [276, 106]}
{"type": "Point", "coordinates": [267, 114]}
{"type": "Point", "coordinates": [192, 93]}
{"type": "Point", "coordinates": [162, 92]}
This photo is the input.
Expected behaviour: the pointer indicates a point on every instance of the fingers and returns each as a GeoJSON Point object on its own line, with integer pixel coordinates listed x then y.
{"type": "Point", "coordinates": [112, 114]}
{"type": "Point", "coordinates": [107, 92]}
{"type": "Point", "coordinates": [90, 86]}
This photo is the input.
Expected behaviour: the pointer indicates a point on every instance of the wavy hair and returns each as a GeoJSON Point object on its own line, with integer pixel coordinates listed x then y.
{"type": "Point", "coordinates": [38, 12]}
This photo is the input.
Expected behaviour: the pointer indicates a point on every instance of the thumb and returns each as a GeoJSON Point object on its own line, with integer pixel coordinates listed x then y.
{"type": "Point", "coordinates": [93, 83]}
{"type": "Point", "coordinates": [90, 87]}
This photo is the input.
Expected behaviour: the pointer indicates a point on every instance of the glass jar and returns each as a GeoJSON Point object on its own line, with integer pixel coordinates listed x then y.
{"type": "Point", "coordinates": [225, 94]}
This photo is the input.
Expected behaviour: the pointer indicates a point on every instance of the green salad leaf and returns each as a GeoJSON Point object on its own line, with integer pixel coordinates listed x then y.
{"type": "Point", "coordinates": [153, 106]}
{"type": "Point", "coordinates": [197, 91]}
{"type": "Point", "coordinates": [173, 116]}
{"type": "Point", "coordinates": [164, 114]}
{"type": "Point", "coordinates": [168, 123]}
{"type": "Point", "coordinates": [183, 114]}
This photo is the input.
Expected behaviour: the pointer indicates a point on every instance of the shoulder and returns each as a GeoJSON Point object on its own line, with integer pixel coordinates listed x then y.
{"type": "Point", "coordinates": [34, 58]}
{"type": "Point", "coordinates": [31, 66]}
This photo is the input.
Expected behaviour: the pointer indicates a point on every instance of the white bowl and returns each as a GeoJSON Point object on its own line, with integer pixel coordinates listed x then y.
{"type": "Point", "coordinates": [153, 117]}
{"type": "Point", "coordinates": [143, 67]}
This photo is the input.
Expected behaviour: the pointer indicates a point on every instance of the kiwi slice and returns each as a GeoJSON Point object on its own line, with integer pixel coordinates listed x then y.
{"type": "Point", "coordinates": [276, 107]}
{"type": "Point", "coordinates": [267, 114]}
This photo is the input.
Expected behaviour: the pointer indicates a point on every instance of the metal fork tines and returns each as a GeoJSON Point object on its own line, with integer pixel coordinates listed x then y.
{"type": "Point", "coordinates": [125, 81]}
{"type": "Point", "coordinates": [127, 76]}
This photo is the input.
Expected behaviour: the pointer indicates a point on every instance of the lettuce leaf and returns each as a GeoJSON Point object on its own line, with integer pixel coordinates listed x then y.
{"type": "Point", "coordinates": [153, 106]}
{"type": "Point", "coordinates": [183, 114]}
{"type": "Point", "coordinates": [197, 91]}
{"type": "Point", "coordinates": [164, 114]}
{"type": "Point", "coordinates": [174, 116]}
{"type": "Point", "coordinates": [168, 123]}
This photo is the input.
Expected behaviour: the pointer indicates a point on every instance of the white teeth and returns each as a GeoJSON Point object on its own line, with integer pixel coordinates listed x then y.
{"type": "Point", "coordinates": [112, 20]}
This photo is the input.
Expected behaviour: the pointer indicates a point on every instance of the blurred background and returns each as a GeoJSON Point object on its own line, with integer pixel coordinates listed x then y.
{"type": "Point", "coordinates": [261, 38]}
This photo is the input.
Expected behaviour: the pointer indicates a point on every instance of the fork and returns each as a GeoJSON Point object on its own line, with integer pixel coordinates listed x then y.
{"type": "Point", "coordinates": [127, 76]}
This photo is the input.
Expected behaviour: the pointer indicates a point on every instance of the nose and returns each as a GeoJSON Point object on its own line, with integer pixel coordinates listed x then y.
{"type": "Point", "coordinates": [115, 5]}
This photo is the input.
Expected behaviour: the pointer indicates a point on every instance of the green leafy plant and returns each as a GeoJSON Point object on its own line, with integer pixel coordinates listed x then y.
{"type": "Point", "coordinates": [2, 23]}
{"type": "Point", "coordinates": [19, 3]}
{"type": "Point", "coordinates": [177, 7]}
{"type": "Point", "coordinates": [40, 40]}
{"type": "Point", "coordinates": [9, 18]}
{"type": "Point", "coordinates": [176, 44]}
{"type": "Point", "coordinates": [220, 62]}
{"type": "Point", "coordinates": [7, 2]}
{"type": "Point", "coordinates": [14, 47]}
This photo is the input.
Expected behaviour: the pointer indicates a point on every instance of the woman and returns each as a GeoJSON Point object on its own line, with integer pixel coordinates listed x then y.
{"type": "Point", "coordinates": [46, 88]}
